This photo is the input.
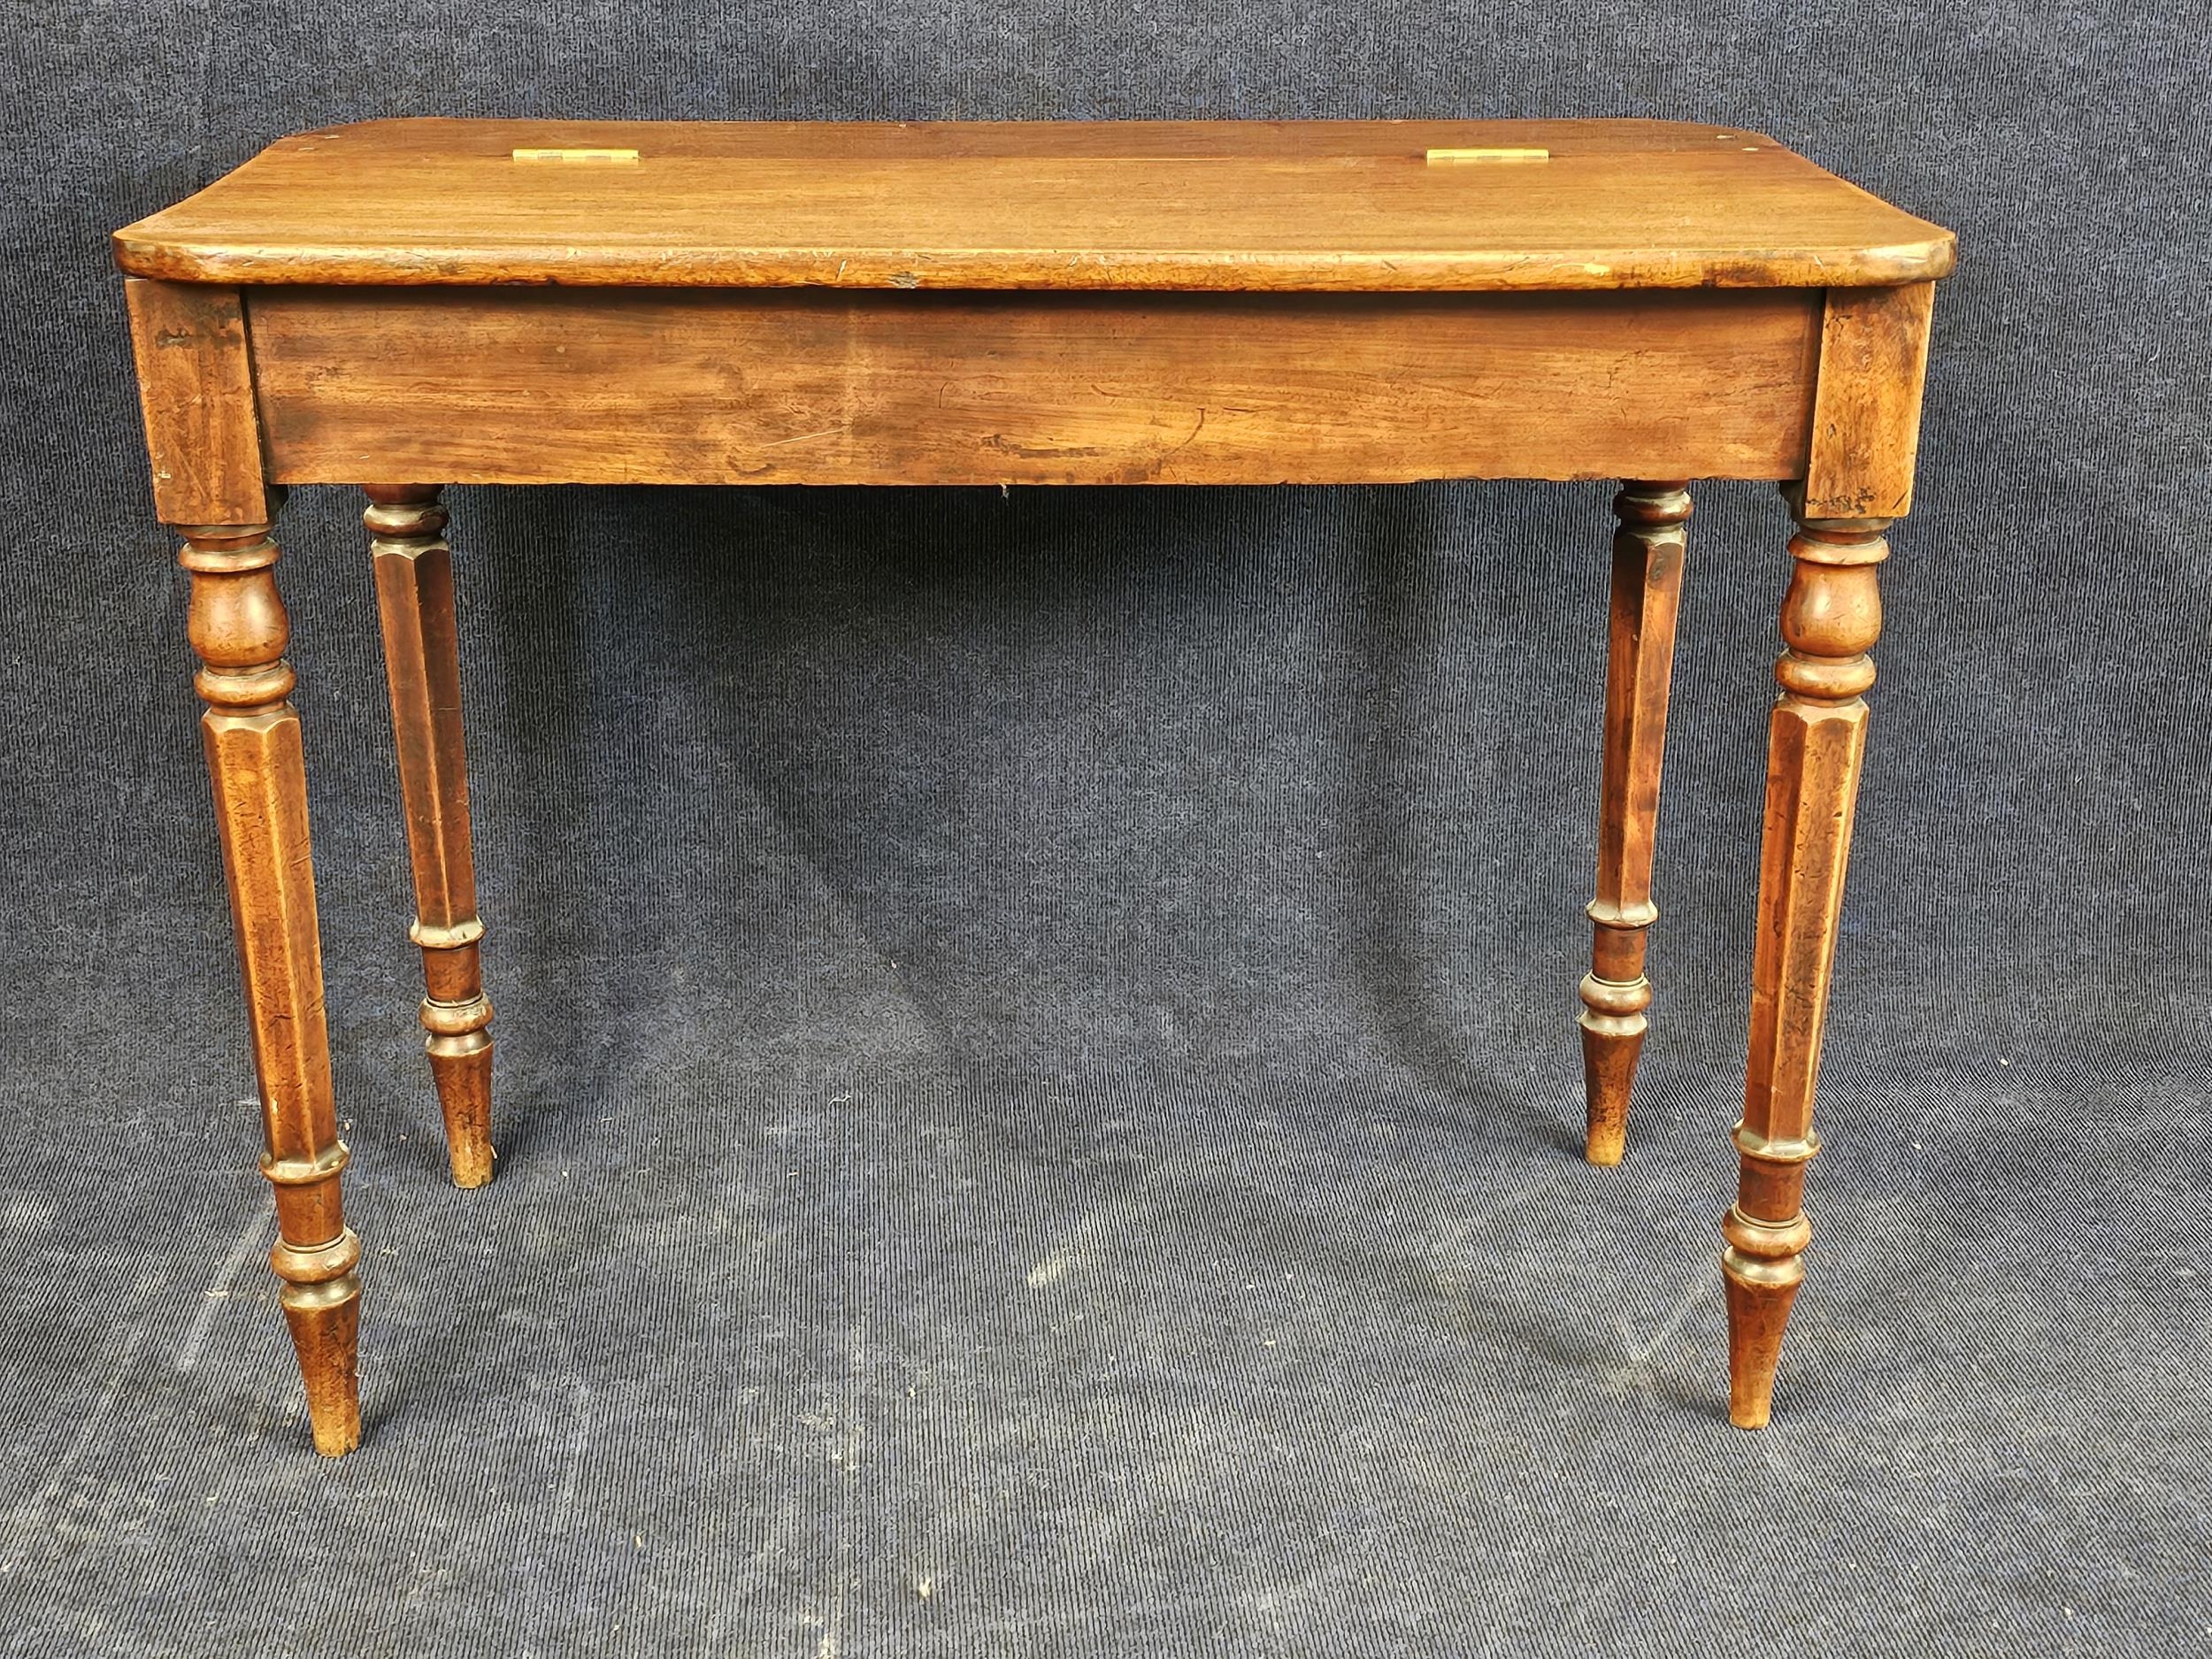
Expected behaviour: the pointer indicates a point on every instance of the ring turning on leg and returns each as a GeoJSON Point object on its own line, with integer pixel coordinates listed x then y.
{"type": "Point", "coordinates": [1816, 736]}
{"type": "Point", "coordinates": [1647, 587]}
{"type": "Point", "coordinates": [238, 628]}
{"type": "Point", "coordinates": [414, 593]}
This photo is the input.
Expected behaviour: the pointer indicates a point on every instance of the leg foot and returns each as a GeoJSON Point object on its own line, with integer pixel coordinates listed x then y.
{"type": "Point", "coordinates": [1762, 1269]}
{"type": "Point", "coordinates": [1613, 1029]}
{"type": "Point", "coordinates": [1647, 590]}
{"type": "Point", "coordinates": [414, 592]}
{"type": "Point", "coordinates": [325, 1338]}
{"type": "Point", "coordinates": [322, 1304]}
{"type": "Point", "coordinates": [461, 1064]}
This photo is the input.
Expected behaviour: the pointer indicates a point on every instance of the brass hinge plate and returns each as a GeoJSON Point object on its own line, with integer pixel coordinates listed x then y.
{"type": "Point", "coordinates": [1489, 155]}
{"type": "Point", "coordinates": [618, 156]}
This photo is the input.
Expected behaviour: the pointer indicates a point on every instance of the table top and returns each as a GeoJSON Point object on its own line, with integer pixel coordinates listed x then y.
{"type": "Point", "coordinates": [1300, 206]}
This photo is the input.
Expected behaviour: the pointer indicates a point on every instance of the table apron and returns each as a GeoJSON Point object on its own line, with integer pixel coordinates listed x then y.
{"type": "Point", "coordinates": [554, 385]}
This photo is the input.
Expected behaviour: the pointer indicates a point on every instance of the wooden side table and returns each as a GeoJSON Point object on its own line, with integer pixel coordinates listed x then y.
{"type": "Point", "coordinates": [495, 302]}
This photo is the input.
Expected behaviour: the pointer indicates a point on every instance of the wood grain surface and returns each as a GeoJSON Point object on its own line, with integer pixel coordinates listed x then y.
{"type": "Point", "coordinates": [422, 667]}
{"type": "Point", "coordinates": [196, 391]}
{"type": "Point", "coordinates": [1866, 413]}
{"type": "Point", "coordinates": [1816, 744]}
{"type": "Point", "coordinates": [1210, 206]}
{"type": "Point", "coordinates": [570, 385]}
{"type": "Point", "coordinates": [1647, 595]}
{"type": "Point", "coordinates": [238, 628]}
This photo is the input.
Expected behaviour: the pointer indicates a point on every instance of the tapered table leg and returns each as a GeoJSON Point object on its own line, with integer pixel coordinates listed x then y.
{"type": "Point", "coordinates": [1831, 619]}
{"type": "Point", "coordinates": [1647, 585]}
{"type": "Point", "coordinates": [238, 628]}
{"type": "Point", "coordinates": [414, 591]}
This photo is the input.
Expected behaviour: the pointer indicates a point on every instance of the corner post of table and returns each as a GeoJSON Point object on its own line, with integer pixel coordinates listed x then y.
{"type": "Point", "coordinates": [197, 389]}
{"type": "Point", "coordinates": [1858, 480]}
{"type": "Point", "coordinates": [422, 665]}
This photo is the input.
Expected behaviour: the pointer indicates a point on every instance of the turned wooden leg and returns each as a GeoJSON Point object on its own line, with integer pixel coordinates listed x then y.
{"type": "Point", "coordinates": [1646, 585]}
{"type": "Point", "coordinates": [238, 627]}
{"type": "Point", "coordinates": [1831, 619]}
{"type": "Point", "coordinates": [414, 592]}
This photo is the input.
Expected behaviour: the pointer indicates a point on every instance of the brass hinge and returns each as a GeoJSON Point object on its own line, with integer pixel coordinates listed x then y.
{"type": "Point", "coordinates": [1489, 155]}
{"type": "Point", "coordinates": [576, 155]}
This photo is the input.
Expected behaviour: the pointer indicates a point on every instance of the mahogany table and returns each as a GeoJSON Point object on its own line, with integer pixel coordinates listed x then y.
{"type": "Point", "coordinates": [503, 303]}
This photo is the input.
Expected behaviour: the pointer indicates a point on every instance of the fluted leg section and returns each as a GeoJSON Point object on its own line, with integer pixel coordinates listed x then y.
{"type": "Point", "coordinates": [1831, 619]}
{"type": "Point", "coordinates": [239, 629]}
{"type": "Point", "coordinates": [414, 590]}
{"type": "Point", "coordinates": [1647, 587]}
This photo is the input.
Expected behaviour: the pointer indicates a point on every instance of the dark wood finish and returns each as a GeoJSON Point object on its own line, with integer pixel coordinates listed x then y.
{"type": "Point", "coordinates": [238, 628]}
{"type": "Point", "coordinates": [1640, 300]}
{"type": "Point", "coordinates": [573, 385]}
{"type": "Point", "coordinates": [1831, 619]}
{"type": "Point", "coordinates": [422, 663]}
{"type": "Point", "coordinates": [1307, 206]}
{"type": "Point", "coordinates": [195, 390]}
{"type": "Point", "coordinates": [1647, 551]}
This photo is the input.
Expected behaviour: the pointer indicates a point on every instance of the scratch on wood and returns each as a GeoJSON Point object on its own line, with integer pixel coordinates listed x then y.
{"type": "Point", "coordinates": [805, 437]}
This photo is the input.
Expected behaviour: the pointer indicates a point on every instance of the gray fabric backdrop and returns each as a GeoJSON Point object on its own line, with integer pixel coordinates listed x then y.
{"type": "Point", "coordinates": [1037, 1083]}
